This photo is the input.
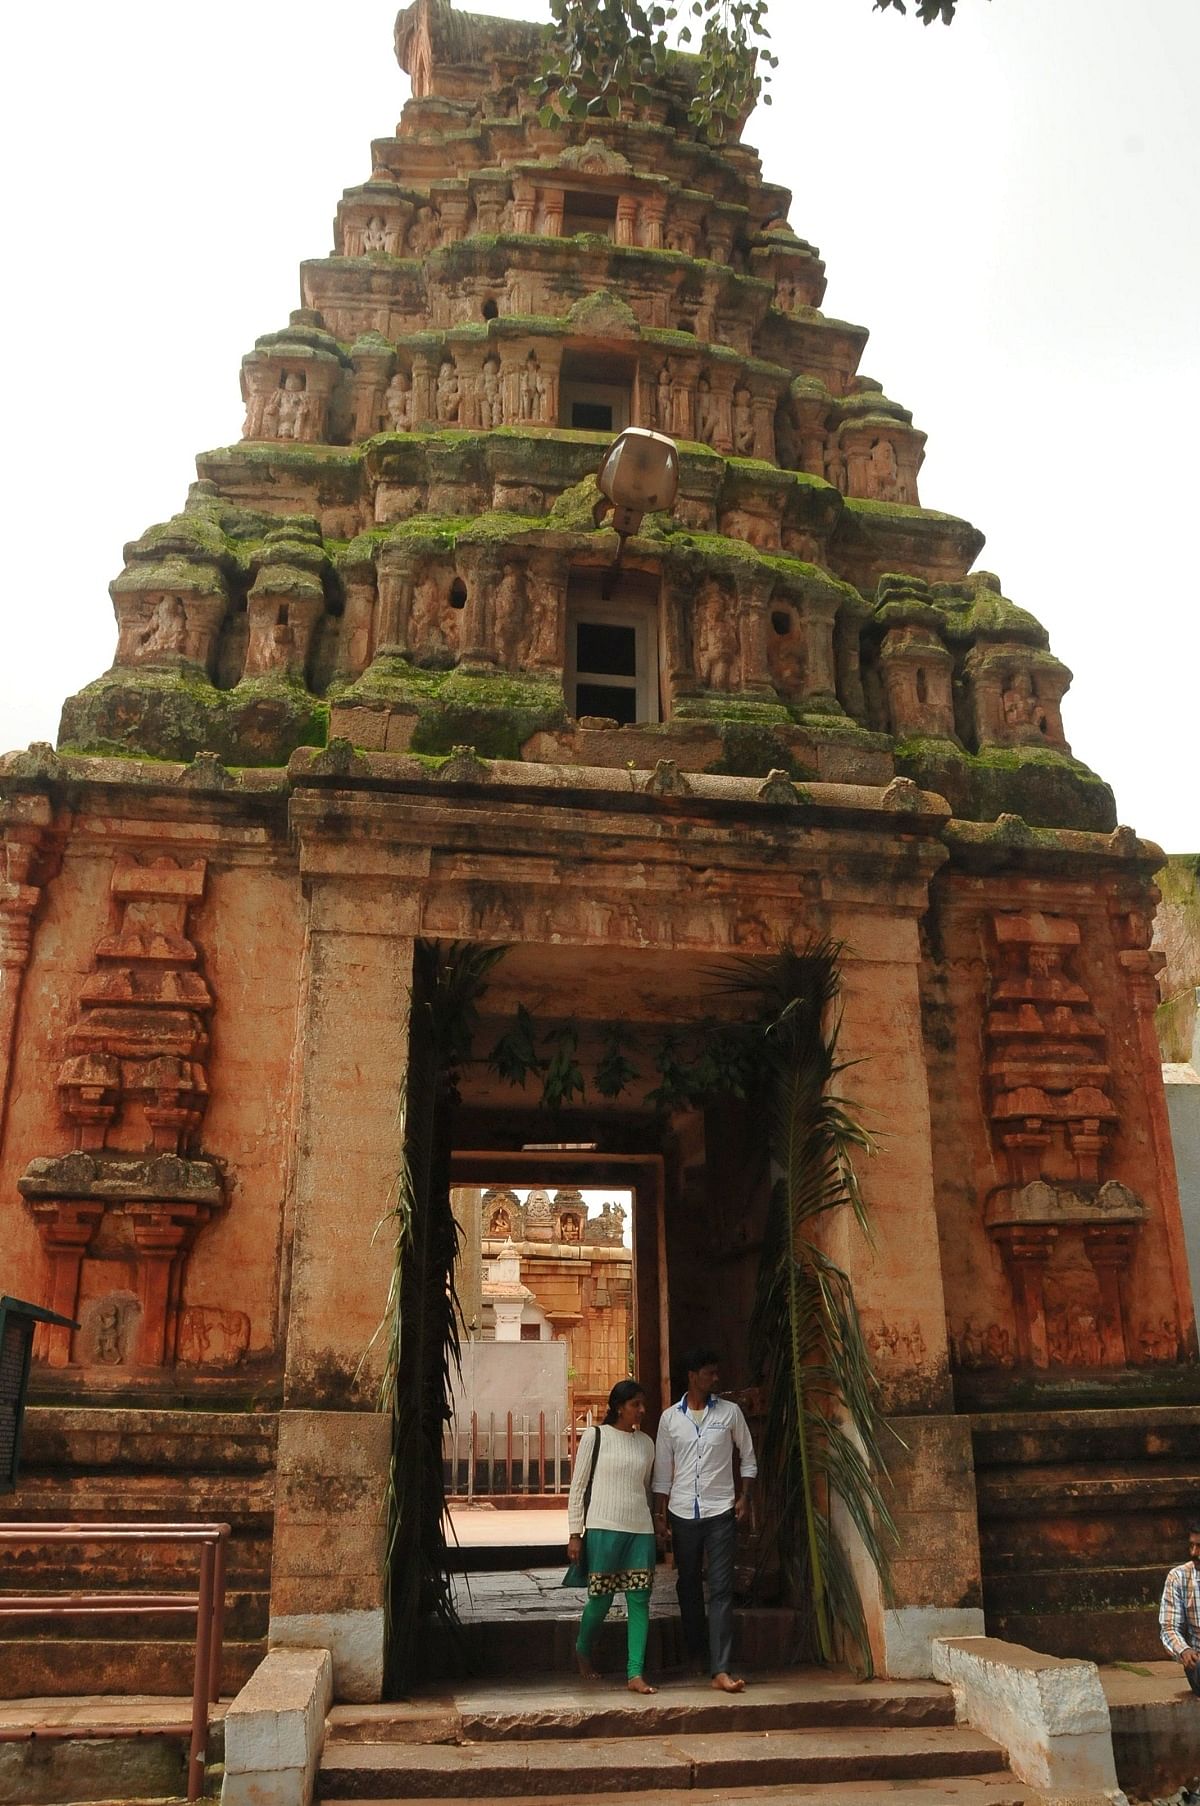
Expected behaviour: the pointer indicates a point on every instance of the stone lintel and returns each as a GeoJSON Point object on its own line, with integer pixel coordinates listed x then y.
{"type": "Point", "coordinates": [1041, 1203]}
{"type": "Point", "coordinates": [117, 1178]}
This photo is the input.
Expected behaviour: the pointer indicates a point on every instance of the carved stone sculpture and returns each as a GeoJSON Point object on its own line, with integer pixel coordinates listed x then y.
{"type": "Point", "coordinates": [167, 632]}
{"type": "Point", "coordinates": [398, 402]}
{"type": "Point", "coordinates": [448, 396]}
{"type": "Point", "coordinates": [490, 394]}
{"type": "Point", "coordinates": [743, 423]}
{"type": "Point", "coordinates": [716, 639]}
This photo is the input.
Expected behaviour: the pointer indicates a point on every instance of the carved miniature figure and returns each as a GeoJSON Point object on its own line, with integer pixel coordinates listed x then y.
{"type": "Point", "coordinates": [424, 232]}
{"type": "Point", "coordinates": [491, 404]}
{"type": "Point", "coordinates": [167, 631]}
{"type": "Point", "coordinates": [291, 412]}
{"type": "Point", "coordinates": [108, 1350]}
{"type": "Point", "coordinates": [397, 402]}
{"type": "Point", "coordinates": [663, 400]}
{"type": "Point", "coordinates": [500, 1224]}
{"type": "Point", "coordinates": [545, 612]}
{"type": "Point", "coordinates": [428, 617]}
{"type": "Point", "coordinates": [885, 472]}
{"type": "Point", "coordinates": [449, 393]}
{"type": "Point", "coordinates": [706, 412]}
{"type": "Point", "coordinates": [569, 1225]}
{"type": "Point", "coordinates": [743, 423]}
{"type": "Point", "coordinates": [508, 613]}
{"type": "Point", "coordinates": [835, 467]}
{"type": "Point", "coordinates": [377, 235]}
{"type": "Point", "coordinates": [785, 295]}
{"type": "Point", "coordinates": [717, 641]}
{"type": "Point", "coordinates": [1020, 704]}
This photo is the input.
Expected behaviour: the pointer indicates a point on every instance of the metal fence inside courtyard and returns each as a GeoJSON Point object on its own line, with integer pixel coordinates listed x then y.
{"type": "Point", "coordinates": [492, 1454]}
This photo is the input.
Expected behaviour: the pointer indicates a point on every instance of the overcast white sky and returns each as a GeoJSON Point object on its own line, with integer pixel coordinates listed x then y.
{"type": "Point", "coordinates": [1010, 206]}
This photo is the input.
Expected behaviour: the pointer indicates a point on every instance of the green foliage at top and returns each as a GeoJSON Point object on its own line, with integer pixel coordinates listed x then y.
{"type": "Point", "coordinates": [601, 53]}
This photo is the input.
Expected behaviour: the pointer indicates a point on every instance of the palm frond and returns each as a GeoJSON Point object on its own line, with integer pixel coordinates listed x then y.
{"type": "Point", "coordinates": [822, 1442]}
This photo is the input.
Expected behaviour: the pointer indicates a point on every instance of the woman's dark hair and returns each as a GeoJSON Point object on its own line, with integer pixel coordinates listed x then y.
{"type": "Point", "coordinates": [620, 1395]}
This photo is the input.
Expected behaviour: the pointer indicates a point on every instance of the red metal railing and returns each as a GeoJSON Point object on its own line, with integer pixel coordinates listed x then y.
{"type": "Point", "coordinates": [207, 1604]}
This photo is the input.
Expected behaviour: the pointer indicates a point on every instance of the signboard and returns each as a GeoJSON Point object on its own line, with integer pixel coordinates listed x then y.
{"type": "Point", "coordinates": [18, 1321]}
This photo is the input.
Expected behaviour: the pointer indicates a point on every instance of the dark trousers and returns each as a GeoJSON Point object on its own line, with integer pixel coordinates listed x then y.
{"type": "Point", "coordinates": [694, 1539]}
{"type": "Point", "coordinates": [1193, 1676]}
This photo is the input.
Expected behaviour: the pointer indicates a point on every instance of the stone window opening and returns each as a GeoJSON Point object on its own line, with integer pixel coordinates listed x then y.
{"type": "Point", "coordinates": [612, 652]}
{"type": "Point", "coordinates": [782, 621]}
{"type": "Point", "coordinates": [458, 594]}
{"type": "Point", "coordinates": [586, 211]}
{"type": "Point", "coordinates": [922, 685]}
{"type": "Point", "coordinates": [490, 310]}
{"type": "Point", "coordinates": [590, 400]}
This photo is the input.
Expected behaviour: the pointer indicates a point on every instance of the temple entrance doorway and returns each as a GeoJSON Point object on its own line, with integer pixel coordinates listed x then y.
{"type": "Point", "coordinates": [557, 1302]}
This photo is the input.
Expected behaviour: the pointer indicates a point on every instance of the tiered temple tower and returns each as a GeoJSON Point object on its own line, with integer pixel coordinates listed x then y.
{"type": "Point", "coordinates": [379, 679]}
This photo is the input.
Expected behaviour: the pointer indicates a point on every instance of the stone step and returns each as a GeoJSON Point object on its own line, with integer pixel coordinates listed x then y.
{"type": "Point", "coordinates": [620, 1765]}
{"type": "Point", "coordinates": [765, 1637]}
{"type": "Point", "coordinates": [1098, 1634]}
{"type": "Point", "coordinates": [1055, 1491]}
{"type": "Point", "coordinates": [1079, 1438]}
{"type": "Point", "coordinates": [1037, 1589]}
{"type": "Point", "coordinates": [56, 1666]}
{"type": "Point", "coordinates": [531, 1710]}
{"type": "Point", "coordinates": [1000, 1789]}
{"type": "Point", "coordinates": [246, 1613]}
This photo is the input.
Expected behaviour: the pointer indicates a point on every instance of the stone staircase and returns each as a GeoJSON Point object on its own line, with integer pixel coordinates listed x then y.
{"type": "Point", "coordinates": [1080, 1515]}
{"type": "Point", "coordinates": [116, 1464]}
{"type": "Point", "coordinates": [804, 1735]}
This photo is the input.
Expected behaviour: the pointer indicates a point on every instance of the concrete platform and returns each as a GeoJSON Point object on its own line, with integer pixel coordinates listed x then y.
{"type": "Point", "coordinates": [1155, 1726]}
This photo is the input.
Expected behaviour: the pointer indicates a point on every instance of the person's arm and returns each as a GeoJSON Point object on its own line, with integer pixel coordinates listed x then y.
{"type": "Point", "coordinates": [747, 1465]}
{"type": "Point", "coordinates": [664, 1471]}
{"type": "Point", "coordinates": [579, 1480]}
{"type": "Point", "coordinates": [1172, 1615]}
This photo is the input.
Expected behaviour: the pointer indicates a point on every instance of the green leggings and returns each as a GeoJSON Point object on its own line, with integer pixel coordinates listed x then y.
{"type": "Point", "coordinates": [637, 1604]}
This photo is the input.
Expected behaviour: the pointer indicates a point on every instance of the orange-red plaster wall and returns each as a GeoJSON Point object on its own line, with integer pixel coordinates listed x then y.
{"type": "Point", "coordinates": [249, 932]}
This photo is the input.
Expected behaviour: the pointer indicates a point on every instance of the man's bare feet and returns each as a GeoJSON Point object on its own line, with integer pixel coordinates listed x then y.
{"type": "Point", "coordinates": [584, 1664]}
{"type": "Point", "coordinates": [638, 1684]}
{"type": "Point", "coordinates": [728, 1683]}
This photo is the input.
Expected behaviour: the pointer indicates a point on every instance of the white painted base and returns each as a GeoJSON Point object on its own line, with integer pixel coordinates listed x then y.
{"type": "Point", "coordinates": [274, 1730]}
{"type": "Point", "coordinates": [353, 1639]}
{"type": "Point", "coordinates": [909, 1632]}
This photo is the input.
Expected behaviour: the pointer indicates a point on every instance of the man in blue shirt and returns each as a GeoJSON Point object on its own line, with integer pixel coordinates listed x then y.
{"type": "Point", "coordinates": [1179, 1613]}
{"type": "Point", "coordinates": [695, 1487]}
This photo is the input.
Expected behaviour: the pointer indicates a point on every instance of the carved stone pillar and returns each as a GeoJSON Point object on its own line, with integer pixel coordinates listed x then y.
{"type": "Point", "coordinates": [424, 384]}
{"type": "Point", "coordinates": [1026, 1249]}
{"type": "Point", "coordinates": [723, 381]}
{"type": "Point", "coordinates": [675, 602]}
{"type": "Point", "coordinates": [368, 387]}
{"type": "Point", "coordinates": [766, 403]}
{"type": "Point", "coordinates": [754, 596]}
{"type": "Point", "coordinates": [163, 1233]}
{"type": "Point", "coordinates": [524, 206]}
{"type": "Point", "coordinates": [653, 215]}
{"type": "Point", "coordinates": [552, 207]}
{"type": "Point", "coordinates": [454, 205]}
{"type": "Point", "coordinates": [627, 219]}
{"type": "Point", "coordinates": [65, 1229]}
{"type": "Point", "coordinates": [547, 575]}
{"type": "Point", "coordinates": [820, 662]}
{"type": "Point", "coordinates": [24, 839]}
{"type": "Point", "coordinates": [1110, 1247]}
{"type": "Point", "coordinates": [259, 380]}
{"type": "Point", "coordinates": [397, 575]}
{"type": "Point", "coordinates": [481, 567]}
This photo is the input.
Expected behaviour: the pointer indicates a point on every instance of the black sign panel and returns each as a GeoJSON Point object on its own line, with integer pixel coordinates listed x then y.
{"type": "Point", "coordinates": [18, 1321]}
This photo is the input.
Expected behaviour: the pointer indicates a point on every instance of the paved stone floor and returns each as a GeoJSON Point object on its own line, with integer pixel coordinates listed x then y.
{"type": "Point", "coordinates": [538, 1593]}
{"type": "Point", "coordinates": [479, 1526]}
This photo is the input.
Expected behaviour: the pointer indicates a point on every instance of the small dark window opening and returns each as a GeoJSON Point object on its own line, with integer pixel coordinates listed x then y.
{"type": "Point", "coordinates": [490, 310]}
{"type": "Point", "coordinates": [922, 687]}
{"type": "Point", "coordinates": [781, 621]}
{"type": "Point", "coordinates": [607, 700]}
{"type": "Point", "coordinates": [590, 213]}
{"type": "Point", "coordinates": [531, 1332]}
{"type": "Point", "coordinates": [606, 650]}
{"type": "Point", "coordinates": [592, 416]}
{"type": "Point", "coordinates": [458, 593]}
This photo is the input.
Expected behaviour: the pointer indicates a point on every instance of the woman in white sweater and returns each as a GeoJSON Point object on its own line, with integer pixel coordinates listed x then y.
{"type": "Point", "coordinates": [610, 1499]}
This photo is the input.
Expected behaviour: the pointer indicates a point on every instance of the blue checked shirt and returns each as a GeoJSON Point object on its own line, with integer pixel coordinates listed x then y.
{"type": "Point", "coordinates": [1179, 1613]}
{"type": "Point", "coordinates": [694, 1465]}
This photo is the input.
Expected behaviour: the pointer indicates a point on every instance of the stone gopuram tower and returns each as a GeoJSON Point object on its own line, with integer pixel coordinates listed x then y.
{"type": "Point", "coordinates": [379, 680]}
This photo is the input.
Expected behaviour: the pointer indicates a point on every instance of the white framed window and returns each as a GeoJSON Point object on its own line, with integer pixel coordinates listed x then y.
{"type": "Point", "coordinates": [593, 407]}
{"type": "Point", "coordinates": [612, 659]}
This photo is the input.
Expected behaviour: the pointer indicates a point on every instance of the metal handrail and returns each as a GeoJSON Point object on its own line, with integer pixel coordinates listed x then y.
{"type": "Point", "coordinates": [208, 1603]}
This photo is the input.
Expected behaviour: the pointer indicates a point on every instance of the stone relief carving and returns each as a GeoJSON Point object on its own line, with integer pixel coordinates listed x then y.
{"type": "Point", "coordinates": [448, 393]}
{"type": "Point", "coordinates": [743, 423]}
{"type": "Point", "coordinates": [398, 402]}
{"type": "Point", "coordinates": [716, 641]}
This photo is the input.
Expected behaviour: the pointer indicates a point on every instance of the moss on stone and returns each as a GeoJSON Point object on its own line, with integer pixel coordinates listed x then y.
{"type": "Point", "coordinates": [175, 714]}
{"type": "Point", "coordinates": [1048, 789]}
{"type": "Point", "coordinates": [750, 749]}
